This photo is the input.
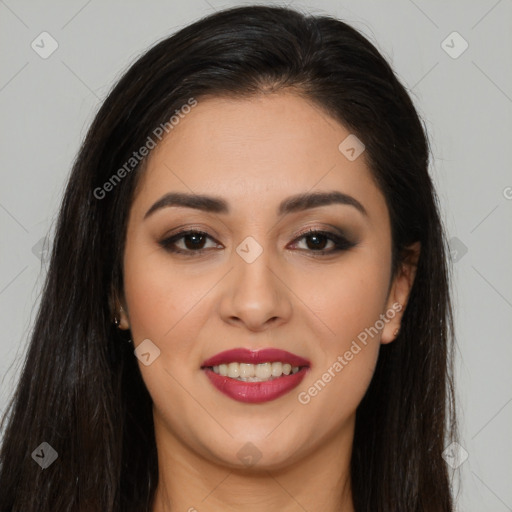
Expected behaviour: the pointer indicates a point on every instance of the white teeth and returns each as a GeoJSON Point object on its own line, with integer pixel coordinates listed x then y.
{"type": "Point", "coordinates": [255, 372]}
{"type": "Point", "coordinates": [263, 371]}
{"type": "Point", "coordinates": [246, 370]}
{"type": "Point", "coordinates": [233, 370]}
{"type": "Point", "coordinates": [277, 369]}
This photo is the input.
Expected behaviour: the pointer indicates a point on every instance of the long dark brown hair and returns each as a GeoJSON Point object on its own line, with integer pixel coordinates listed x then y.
{"type": "Point", "coordinates": [80, 389]}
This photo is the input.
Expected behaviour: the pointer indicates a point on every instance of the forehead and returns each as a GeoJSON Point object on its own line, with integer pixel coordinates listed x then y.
{"type": "Point", "coordinates": [255, 151]}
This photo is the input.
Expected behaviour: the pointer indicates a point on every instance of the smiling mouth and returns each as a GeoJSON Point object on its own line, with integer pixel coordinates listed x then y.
{"type": "Point", "coordinates": [255, 376]}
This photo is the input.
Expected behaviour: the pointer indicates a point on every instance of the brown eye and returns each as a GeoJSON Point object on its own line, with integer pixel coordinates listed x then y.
{"type": "Point", "coordinates": [317, 241]}
{"type": "Point", "coordinates": [193, 241]}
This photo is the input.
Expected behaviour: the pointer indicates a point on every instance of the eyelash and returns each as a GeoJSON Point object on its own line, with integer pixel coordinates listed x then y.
{"type": "Point", "coordinates": [340, 242]}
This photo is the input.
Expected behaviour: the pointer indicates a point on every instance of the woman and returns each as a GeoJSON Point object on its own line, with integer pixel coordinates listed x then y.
{"type": "Point", "coordinates": [247, 303]}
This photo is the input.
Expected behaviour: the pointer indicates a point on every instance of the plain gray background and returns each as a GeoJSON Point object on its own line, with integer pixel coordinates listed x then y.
{"type": "Point", "coordinates": [48, 103]}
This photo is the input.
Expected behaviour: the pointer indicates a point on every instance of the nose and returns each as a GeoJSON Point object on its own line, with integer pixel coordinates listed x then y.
{"type": "Point", "coordinates": [254, 296]}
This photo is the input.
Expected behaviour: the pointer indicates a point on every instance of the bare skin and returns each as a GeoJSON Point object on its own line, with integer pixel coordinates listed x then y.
{"type": "Point", "coordinates": [254, 153]}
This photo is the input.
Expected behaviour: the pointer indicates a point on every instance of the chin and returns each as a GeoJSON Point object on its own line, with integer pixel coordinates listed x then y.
{"type": "Point", "coordinates": [257, 453]}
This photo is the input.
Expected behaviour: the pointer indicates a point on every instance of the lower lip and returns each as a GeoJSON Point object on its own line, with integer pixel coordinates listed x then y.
{"type": "Point", "coordinates": [256, 392]}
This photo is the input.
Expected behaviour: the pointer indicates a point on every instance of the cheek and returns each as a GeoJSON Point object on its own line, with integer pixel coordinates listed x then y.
{"type": "Point", "coordinates": [347, 299]}
{"type": "Point", "coordinates": [349, 303]}
{"type": "Point", "coordinates": [158, 297]}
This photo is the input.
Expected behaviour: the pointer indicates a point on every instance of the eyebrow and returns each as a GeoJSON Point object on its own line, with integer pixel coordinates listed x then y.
{"type": "Point", "coordinates": [291, 204]}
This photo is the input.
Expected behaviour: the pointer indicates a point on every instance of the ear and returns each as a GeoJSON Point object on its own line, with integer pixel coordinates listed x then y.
{"type": "Point", "coordinates": [399, 292]}
{"type": "Point", "coordinates": [119, 310]}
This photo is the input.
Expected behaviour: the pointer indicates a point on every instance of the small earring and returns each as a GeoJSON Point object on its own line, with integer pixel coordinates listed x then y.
{"type": "Point", "coordinates": [397, 330]}
{"type": "Point", "coordinates": [117, 320]}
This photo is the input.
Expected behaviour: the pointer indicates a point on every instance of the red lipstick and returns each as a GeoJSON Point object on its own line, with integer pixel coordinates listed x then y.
{"type": "Point", "coordinates": [266, 355]}
{"type": "Point", "coordinates": [256, 392]}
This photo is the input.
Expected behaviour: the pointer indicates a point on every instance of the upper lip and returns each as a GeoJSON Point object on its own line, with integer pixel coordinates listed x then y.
{"type": "Point", "coordinates": [266, 355]}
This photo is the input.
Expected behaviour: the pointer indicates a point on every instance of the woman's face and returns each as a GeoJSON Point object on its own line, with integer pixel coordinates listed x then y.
{"type": "Point", "coordinates": [254, 280]}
